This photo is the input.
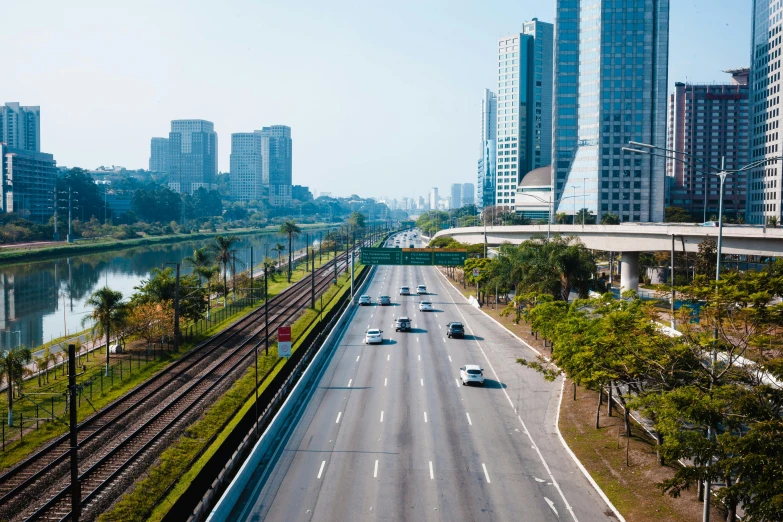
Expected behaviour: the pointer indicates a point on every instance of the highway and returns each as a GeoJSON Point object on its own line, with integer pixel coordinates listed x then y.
{"type": "Point", "coordinates": [391, 434]}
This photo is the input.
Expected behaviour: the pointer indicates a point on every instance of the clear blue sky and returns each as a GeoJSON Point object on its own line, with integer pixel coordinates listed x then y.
{"type": "Point", "coordinates": [383, 97]}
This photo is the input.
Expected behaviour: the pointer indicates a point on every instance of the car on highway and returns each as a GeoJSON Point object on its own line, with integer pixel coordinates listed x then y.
{"type": "Point", "coordinates": [364, 300]}
{"type": "Point", "coordinates": [115, 348]}
{"type": "Point", "coordinates": [373, 336]}
{"type": "Point", "coordinates": [402, 324]}
{"type": "Point", "coordinates": [710, 224]}
{"type": "Point", "coordinates": [455, 330]}
{"type": "Point", "coordinates": [425, 306]}
{"type": "Point", "coordinates": [404, 290]}
{"type": "Point", "coordinates": [384, 300]}
{"type": "Point", "coordinates": [421, 289]}
{"type": "Point", "coordinates": [412, 246]}
{"type": "Point", "coordinates": [471, 374]}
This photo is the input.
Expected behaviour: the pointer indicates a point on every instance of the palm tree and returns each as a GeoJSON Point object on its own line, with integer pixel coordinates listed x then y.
{"type": "Point", "coordinates": [200, 260]}
{"type": "Point", "coordinates": [279, 248]}
{"type": "Point", "coordinates": [209, 272]}
{"type": "Point", "coordinates": [222, 248]}
{"type": "Point", "coordinates": [290, 229]}
{"type": "Point", "coordinates": [13, 367]}
{"type": "Point", "coordinates": [108, 311]}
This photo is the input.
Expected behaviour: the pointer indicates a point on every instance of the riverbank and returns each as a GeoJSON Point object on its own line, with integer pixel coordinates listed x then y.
{"type": "Point", "coordinates": [23, 254]}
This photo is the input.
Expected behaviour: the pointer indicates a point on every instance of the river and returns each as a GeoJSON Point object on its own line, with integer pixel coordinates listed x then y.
{"type": "Point", "coordinates": [44, 300]}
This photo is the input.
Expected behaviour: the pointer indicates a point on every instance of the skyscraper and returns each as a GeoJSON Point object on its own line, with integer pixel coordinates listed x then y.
{"type": "Point", "coordinates": [455, 199]}
{"type": "Point", "coordinates": [20, 126]}
{"type": "Point", "coordinates": [610, 81]}
{"type": "Point", "coordinates": [247, 183]}
{"type": "Point", "coordinates": [28, 180]}
{"type": "Point", "coordinates": [709, 123]}
{"type": "Point", "coordinates": [277, 163]}
{"type": "Point", "coordinates": [765, 184]}
{"type": "Point", "coordinates": [487, 150]}
{"type": "Point", "coordinates": [468, 196]}
{"type": "Point", "coordinates": [192, 155]}
{"type": "Point", "coordinates": [434, 198]}
{"type": "Point", "coordinates": [159, 155]}
{"type": "Point", "coordinates": [524, 106]}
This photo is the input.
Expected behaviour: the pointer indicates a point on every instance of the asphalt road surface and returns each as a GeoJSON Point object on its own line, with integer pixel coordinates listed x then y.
{"type": "Point", "coordinates": [391, 434]}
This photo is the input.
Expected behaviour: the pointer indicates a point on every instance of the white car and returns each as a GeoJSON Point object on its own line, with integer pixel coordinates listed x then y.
{"type": "Point", "coordinates": [421, 289]}
{"type": "Point", "coordinates": [425, 306]}
{"type": "Point", "coordinates": [404, 290]}
{"type": "Point", "coordinates": [471, 374]}
{"type": "Point", "coordinates": [364, 300]}
{"type": "Point", "coordinates": [373, 336]}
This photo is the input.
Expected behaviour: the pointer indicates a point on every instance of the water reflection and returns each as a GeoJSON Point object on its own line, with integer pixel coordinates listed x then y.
{"type": "Point", "coordinates": [40, 301]}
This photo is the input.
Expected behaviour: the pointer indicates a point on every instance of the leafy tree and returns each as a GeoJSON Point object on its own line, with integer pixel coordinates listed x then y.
{"type": "Point", "coordinates": [108, 312]}
{"type": "Point", "coordinates": [279, 248]}
{"type": "Point", "coordinates": [162, 286]}
{"type": "Point", "coordinates": [222, 248]}
{"type": "Point", "coordinates": [706, 259]}
{"type": "Point", "coordinates": [610, 219]}
{"type": "Point", "coordinates": [201, 261]}
{"type": "Point", "coordinates": [13, 367]}
{"type": "Point", "coordinates": [290, 229]}
{"type": "Point", "coordinates": [151, 320]}
{"type": "Point", "coordinates": [357, 220]}
{"type": "Point", "coordinates": [86, 197]}
{"type": "Point", "coordinates": [676, 215]}
{"type": "Point", "coordinates": [585, 216]}
{"type": "Point", "coordinates": [203, 203]}
{"type": "Point", "coordinates": [157, 204]}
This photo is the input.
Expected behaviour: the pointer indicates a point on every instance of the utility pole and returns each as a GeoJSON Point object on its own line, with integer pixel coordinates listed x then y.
{"type": "Point", "coordinates": [176, 312]}
{"type": "Point", "coordinates": [56, 236]}
{"type": "Point", "coordinates": [266, 308]}
{"type": "Point", "coordinates": [307, 251]}
{"type": "Point", "coordinates": [252, 290]}
{"type": "Point", "coordinates": [76, 490]}
{"type": "Point", "coordinates": [70, 214]}
{"type": "Point", "coordinates": [335, 260]}
{"type": "Point", "coordinates": [312, 281]}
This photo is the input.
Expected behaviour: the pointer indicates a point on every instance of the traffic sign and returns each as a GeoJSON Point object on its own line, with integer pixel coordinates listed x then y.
{"type": "Point", "coordinates": [381, 256]}
{"type": "Point", "coordinates": [449, 258]}
{"type": "Point", "coordinates": [284, 341]}
{"type": "Point", "coordinates": [475, 272]}
{"type": "Point", "coordinates": [415, 257]}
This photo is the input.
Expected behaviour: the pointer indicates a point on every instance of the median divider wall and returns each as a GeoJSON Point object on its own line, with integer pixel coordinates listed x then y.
{"type": "Point", "coordinates": [276, 433]}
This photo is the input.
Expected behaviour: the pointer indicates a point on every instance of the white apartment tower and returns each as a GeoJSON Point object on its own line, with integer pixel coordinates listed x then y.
{"type": "Point", "coordinates": [20, 126]}
{"type": "Point", "coordinates": [524, 106]}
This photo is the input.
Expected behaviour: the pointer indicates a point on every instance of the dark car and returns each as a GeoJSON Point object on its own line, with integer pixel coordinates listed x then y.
{"type": "Point", "coordinates": [402, 324]}
{"type": "Point", "coordinates": [384, 300]}
{"type": "Point", "coordinates": [455, 330]}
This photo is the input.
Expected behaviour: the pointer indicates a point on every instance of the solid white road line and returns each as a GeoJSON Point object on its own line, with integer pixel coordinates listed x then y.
{"type": "Point", "coordinates": [457, 381]}
{"type": "Point", "coordinates": [485, 472]}
{"type": "Point", "coordinates": [320, 471]}
{"type": "Point", "coordinates": [450, 358]}
{"type": "Point", "coordinates": [444, 339]}
{"type": "Point", "coordinates": [375, 473]}
{"type": "Point", "coordinates": [419, 357]}
{"type": "Point", "coordinates": [388, 357]}
{"type": "Point", "coordinates": [422, 382]}
{"type": "Point", "coordinates": [432, 474]}
{"type": "Point", "coordinates": [357, 358]}
{"type": "Point", "coordinates": [381, 415]}
{"type": "Point", "coordinates": [417, 339]}
{"type": "Point", "coordinates": [339, 414]}
{"type": "Point", "coordinates": [349, 382]}
{"type": "Point", "coordinates": [469, 421]}
{"type": "Point", "coordinates": [425, 416]}
{"type": "Point", "coordinates": [384, 381]}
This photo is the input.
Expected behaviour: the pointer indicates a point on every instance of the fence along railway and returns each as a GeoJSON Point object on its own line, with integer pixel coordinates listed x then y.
{"type": "Point", "coordinates": [119, 442]}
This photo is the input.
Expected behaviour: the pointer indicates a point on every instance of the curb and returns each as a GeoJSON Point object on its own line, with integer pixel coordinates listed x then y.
{"type": "Point", "coordinates": [557, 416]}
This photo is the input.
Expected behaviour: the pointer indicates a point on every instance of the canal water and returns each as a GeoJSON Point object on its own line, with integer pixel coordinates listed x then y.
{"type": "Point", "coordinates": [45, 300]}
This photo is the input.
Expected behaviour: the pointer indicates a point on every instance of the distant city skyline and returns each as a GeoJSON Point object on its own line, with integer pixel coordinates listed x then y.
{"type": "Point", "coordinates": [358, 59]}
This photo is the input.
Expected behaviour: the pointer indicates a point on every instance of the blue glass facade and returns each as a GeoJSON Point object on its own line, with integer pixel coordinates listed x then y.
{"type": "Point", "coordinates": [611, 60]}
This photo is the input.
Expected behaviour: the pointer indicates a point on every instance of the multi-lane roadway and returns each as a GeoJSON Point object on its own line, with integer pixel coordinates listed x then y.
{"type": "Point", "coordinates": [391, 434]}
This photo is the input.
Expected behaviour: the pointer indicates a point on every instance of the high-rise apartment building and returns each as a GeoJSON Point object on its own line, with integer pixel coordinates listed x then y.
{"type": "Point", "coordinates": [468, 194]}
{"type": "Point", "coordinates": [247, 183]}
{"type": "Point", "coordinates": [20, 126]}
{"type": "Point", "coordinates": [765, 184]}
{"type": "Point", "coordinates": [487, 162]}
{"type": "Point", "coordinates": [277, 163]}
{"type": "Point", "coordinates": [159, 155]}
{"type": "Point", "coordinates": [455, 196]}
{"type": "Point", "coordinates": [28, 180]}
{"type": "Point", "coordinates": [708, 123]}
{"type": "Point", "coordinates": [434, 198]}
{"type": "Point", "coordinates": [524, 106]}
{"type": "Point", "coordinates": [610, 81]}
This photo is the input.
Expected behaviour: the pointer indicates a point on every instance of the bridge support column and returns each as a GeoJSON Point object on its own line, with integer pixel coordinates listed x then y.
{"type": "Point", "coordinates": [629, 271]}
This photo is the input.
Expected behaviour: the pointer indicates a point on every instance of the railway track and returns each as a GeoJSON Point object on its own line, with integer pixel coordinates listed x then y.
{"type": "Point", "coordinates": [117, 443]}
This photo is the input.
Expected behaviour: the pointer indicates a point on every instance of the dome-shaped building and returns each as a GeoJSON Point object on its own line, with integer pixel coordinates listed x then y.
{"type": "Point", "coordinates": [534, 193]}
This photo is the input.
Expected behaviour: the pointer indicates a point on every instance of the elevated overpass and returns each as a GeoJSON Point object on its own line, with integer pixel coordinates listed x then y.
{"type": "Point", "coordinates": [633, 238]}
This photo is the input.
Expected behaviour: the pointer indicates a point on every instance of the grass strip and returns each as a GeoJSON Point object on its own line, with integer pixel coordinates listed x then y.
{"type": "Point", "coordinates": [174, 468]}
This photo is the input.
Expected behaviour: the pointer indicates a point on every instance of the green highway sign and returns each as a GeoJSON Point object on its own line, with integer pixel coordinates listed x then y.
{"type": "Point", "coordinates": [449, 258]}
{"type": "Point", "coordinates": [381, 256]}
{"type": "Point", "coordinates": [413, 256]}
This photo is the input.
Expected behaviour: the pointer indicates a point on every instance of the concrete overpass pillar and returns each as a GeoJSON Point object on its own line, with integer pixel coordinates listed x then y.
{"type": "Point", "coordinates": [629, 271]}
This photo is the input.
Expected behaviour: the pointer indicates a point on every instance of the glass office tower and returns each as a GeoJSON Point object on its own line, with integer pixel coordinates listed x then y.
{"type": "Point", "coordinates": [611, 61]}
